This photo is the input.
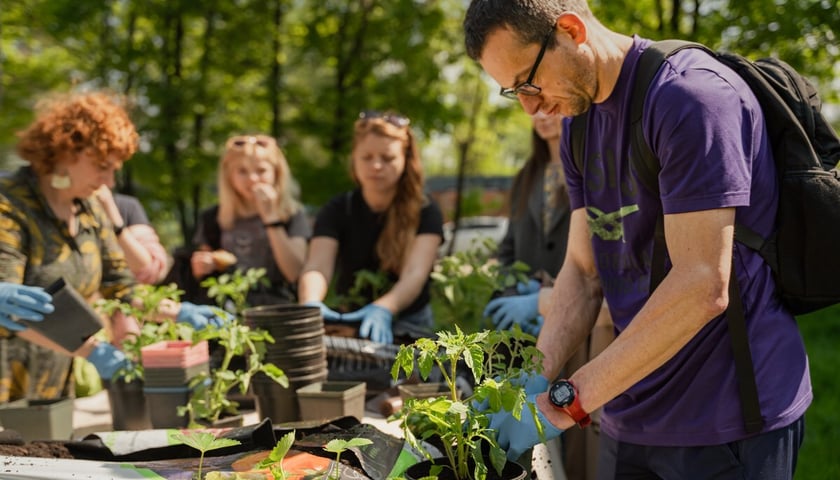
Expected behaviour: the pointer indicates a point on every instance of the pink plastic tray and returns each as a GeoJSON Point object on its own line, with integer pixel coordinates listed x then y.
{"type": "Point", "coordinates": [174, 353]}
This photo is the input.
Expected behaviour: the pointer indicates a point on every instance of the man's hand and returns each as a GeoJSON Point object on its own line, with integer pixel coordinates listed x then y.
{"type": "Point", "coordinates": [517, 436]}
{"type": "Point", "coordinates": [24, 302]}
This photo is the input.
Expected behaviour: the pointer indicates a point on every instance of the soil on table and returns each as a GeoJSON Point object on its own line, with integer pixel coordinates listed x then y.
{"type": "Point", "coordinates": [36, 449]}
{"type": "Point", "coordinates": [11, 444]}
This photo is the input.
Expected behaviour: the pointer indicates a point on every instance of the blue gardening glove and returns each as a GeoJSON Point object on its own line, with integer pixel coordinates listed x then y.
{"type": "Point", "coordinates": [376, 322]}
{"type": "Point", "coordinates": [505, 311]}
{"type": "Point", "coordinates": [199, 316]}
{"type": "Point", "coordinates": [28, 303]}
{"type": "Point", "coordinates": [327, 313]}
{"type": "Point", "coordinates": [517, 436]}
{"type": "Point", "coordinates": [533, 286]}
{"type": "Point", "coordinates": [107, 359]}
{"type": "Point", "coordinates": [532, 382]}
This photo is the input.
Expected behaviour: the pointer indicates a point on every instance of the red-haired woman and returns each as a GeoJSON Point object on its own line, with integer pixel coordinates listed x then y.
{"type": "Point", "coordinates": [386, 225]}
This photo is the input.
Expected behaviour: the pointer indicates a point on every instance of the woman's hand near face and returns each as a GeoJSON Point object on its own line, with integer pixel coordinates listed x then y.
{"type": "Point", "coordinates": [265, 197]}
{"type": "Point", "coordinates": [202, 263]}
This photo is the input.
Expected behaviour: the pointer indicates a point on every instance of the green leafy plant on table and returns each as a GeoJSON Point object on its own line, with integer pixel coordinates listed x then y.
{"type": "Point", "coordinates": [201, 441]}
{"type": "Point", "coordinates": [274, 460]}
{"type": "Point", "coordinates": [209, 400]}
{"type": "Point", "coordinates": [146, 308]}
{"type": "Point", "coordinates": [367, 284]}
{"type": "Point", "coordinates": [463, 283]}
{"type": "Point", "coordinates": [339, 446]}
{"type": "Point", "coordinates": [496, 359]}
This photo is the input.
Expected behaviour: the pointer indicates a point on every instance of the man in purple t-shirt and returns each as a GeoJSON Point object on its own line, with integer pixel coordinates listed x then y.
{"type": "Point", "coordinates": [667, 383]}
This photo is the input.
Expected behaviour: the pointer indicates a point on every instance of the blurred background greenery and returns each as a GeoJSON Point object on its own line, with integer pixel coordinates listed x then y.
{"type": "Point", "coordinates": [198, 71]}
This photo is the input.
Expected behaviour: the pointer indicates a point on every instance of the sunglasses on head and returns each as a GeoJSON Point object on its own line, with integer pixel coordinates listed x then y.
{"type": "Point", "coordinates": [393, 118]}
{"type": "Point", "coordinates": [259, 140]}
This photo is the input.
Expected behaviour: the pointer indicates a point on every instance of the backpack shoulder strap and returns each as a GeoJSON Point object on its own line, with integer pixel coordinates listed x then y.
{"type": "Point", "coordinates": [647, 170]}
{"type": "Point", "coordinates": [577, 128]}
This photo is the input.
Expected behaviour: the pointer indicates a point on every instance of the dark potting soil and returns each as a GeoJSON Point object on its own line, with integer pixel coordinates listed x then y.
{"type": "Point", "coordinates": [35, 449]}
{"type": "Point", "coordinates": [12, 444]}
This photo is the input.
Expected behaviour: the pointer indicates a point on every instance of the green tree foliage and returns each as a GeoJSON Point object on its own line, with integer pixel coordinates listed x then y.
{"type": "Point", "coordinates": [198, 71]}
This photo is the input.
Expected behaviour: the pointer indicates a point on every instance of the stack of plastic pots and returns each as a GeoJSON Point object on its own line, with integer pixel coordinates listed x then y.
{"type": "Point", "coordinates": [169, 366]}
{"type": "Point", "coordinates": [298, 349]}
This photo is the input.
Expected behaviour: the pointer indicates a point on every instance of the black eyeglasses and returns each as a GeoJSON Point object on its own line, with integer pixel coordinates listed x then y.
{"type": "Point", "coordinates": [259, 140]}
{"type": "Point", "coordinates": [526, 87]}
{"type": "Point", "coordinates": [393, 118]}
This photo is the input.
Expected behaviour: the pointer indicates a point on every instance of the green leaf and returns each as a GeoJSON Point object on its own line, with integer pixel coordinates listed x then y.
{"type": "Point", "coordinates": [201, 441]}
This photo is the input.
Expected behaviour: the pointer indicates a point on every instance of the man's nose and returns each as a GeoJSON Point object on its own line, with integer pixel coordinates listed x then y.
{"type": "Point", "coordinates": [530, 103]}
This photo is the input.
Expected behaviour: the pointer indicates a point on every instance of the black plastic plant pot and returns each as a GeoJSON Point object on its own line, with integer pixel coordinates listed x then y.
{"type": "Point", "coordinates": [512, 471]}
{"type": "Point", "coordinates": [72, 322]}
{"type": "Point", "coordinates": [129, 410]}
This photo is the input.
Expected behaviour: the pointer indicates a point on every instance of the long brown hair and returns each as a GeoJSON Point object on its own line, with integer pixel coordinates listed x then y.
{"type": "Point", "coordinates": [403, 215]}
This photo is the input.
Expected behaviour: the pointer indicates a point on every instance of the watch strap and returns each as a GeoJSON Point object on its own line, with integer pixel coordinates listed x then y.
{"type": "Point", "coordinates": [575, 409]}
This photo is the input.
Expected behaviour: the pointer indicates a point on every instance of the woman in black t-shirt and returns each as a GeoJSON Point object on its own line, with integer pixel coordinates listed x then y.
{"type": "Point", "coordinates": [386, 225]}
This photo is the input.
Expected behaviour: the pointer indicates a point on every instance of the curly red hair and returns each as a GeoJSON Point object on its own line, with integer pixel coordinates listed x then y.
{"type": "Point", "coordinates": [95, 122]}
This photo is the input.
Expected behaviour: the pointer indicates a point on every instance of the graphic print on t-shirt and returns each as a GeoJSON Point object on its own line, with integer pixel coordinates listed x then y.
{"type": "Point", "coordinates": [608, 226]}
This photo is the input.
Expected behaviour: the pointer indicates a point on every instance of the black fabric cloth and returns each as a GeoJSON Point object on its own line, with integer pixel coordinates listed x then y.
{"type": "Point", "coordinates": [525, 241]}
{"type": "Point", "coordinates": [348, 219]}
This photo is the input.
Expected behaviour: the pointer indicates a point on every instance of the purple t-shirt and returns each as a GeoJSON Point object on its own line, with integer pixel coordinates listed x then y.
{"type": "Point", "coordinates": [706, 127]}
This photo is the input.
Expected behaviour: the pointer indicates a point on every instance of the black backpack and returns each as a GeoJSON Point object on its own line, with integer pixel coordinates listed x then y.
{"type": "Point", "coordinates": [804, 251]}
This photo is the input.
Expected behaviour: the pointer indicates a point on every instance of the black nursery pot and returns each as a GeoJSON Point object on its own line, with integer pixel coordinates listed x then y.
{"type": "Point", "coordinates": [512, 470]}
{"type": "Point", "coordinates": [128, 405]}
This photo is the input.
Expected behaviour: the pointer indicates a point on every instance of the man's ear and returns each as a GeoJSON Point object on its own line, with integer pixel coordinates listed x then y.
{"type": "Point", "coordinates": [573, 26]}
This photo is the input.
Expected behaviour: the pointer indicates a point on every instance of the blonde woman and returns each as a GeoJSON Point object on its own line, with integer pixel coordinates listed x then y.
{"type": "Point", "coordinates": [258, 222]}
{"type": "Point", "coordinates": [386, 225]}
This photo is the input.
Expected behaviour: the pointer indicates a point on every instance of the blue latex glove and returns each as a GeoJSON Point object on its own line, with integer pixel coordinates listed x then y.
{"type": "Point", "coordinates": [199, 316]}
{"type": "Point", "coordinates": [327, 313]}
{"type": "Point", "coordinates": [517, 436]}
{"type": "Point", "coordinates": [533, 286]}
{"type": "Point", "coordinates": [376, 322]}
{"type": "Point", "coordinates": [505, 311]}
{"type": "Point", "coordinates": [21, 301]}
{"type": "Point", "coordinates": [107, 359]}
{"type": "Point", "coordinates": [532, 382]}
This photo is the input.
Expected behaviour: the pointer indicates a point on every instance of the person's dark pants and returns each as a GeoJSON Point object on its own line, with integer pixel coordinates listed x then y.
{"type": "Point", "coordinates": [769, 456]}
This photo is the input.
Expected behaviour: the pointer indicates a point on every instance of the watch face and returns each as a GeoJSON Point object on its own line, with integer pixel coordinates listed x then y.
{"type": "Point", "coordinates": [562, 394]}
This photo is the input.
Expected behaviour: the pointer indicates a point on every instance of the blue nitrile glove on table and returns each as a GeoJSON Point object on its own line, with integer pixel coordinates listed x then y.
{"type": "Point", "coordinates": [199, 316]}
{"type": "Point", "coordinates": [517, 436]}
{"type": "Point", "coordinates": [521, 309]}
{"type": "Point", "coordinates": [107, 359]}
{"type": "Point", "coordinates": [376, 322]}
{"type": "Point", "coordinates": [28, 303]}
{"type": "Point", "coordinates": [327, 313]}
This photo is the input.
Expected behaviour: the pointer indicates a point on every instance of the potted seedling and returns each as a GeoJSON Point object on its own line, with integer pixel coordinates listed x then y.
{"type": "Point", "coordinates": [209, 398]}
{"type": "Point", "coordinates": [125, 389]}
{"type": "Point", "coordinates": [460, 426]}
